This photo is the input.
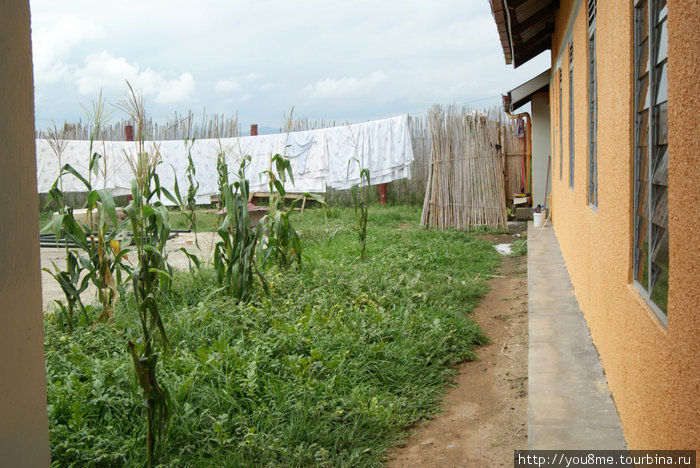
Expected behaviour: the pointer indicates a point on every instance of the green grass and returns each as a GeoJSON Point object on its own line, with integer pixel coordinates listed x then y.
{"type": "Point", "coordinates": [44, 218]}
{"type": "Point", "coordinates": [520, 247]}
{"type": "Point", "coordinates": [206, 220]}
{"type": "Point", "coordinates": [327, 371]}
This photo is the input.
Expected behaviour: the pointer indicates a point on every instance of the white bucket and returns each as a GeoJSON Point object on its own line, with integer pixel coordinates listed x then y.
{"type": "Point", "coordinates": [539, 219]}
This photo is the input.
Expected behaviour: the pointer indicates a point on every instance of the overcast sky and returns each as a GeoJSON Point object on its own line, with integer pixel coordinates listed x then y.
{"type": "Point", "coordinates": [334, 60]}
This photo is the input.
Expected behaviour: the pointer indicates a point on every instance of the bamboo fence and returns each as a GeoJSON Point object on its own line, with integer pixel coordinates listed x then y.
{"type": "Point", "coordinates": [466, 184]}
{"type": "Point", "coordinates": [513, 149]}
{"type": "Point", "coordinates": [175, 127]}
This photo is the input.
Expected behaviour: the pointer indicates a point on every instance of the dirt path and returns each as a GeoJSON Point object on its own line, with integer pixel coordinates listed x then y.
{"type": "Point", "coordinates": [485, 415]}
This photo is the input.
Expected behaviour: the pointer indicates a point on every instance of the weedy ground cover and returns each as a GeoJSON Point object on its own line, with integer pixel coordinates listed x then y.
{"type": "Point", "coordinates": [328, 370]}
{"type": "Point", "coordinates": [520, 247]}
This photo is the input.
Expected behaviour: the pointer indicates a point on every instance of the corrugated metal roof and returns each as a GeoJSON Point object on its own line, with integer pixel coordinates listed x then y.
{"type": "Point", "coordinates": [525, 27]}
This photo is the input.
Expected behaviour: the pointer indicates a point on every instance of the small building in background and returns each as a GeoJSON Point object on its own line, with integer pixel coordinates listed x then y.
{"type": "Point", "coordinates": [536, 92]}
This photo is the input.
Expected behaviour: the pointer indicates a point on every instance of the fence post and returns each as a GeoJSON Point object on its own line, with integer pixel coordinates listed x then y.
{"type": "Point", "coordinates": [382, 194]}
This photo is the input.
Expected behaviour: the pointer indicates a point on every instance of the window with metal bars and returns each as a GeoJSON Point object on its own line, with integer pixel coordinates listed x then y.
{"type": "Point", "coordinates": [592, 108]}
{"type": "Point", "coordinates": [554, 128]}
{"type": "Point", "coordinates": [650, 257]}
{"type": "Point", "coordinates": [571, 114]}
{"type": "Point", "coordinates": [561, 126]}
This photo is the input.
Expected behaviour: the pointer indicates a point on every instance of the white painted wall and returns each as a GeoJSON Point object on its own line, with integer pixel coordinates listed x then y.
{"type": "Point", "coordinates": [541, 148]}
{"type": "Point", "coordinates": [24, 432]}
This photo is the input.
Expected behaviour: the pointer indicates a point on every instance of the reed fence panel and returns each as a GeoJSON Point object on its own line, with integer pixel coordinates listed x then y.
{"type": "Point", "coordinates": [513, 149]}
{"type": "Point", "coordinates": [466, 182]}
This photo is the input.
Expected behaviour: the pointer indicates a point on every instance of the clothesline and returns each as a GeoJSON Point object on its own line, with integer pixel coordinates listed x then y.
{"type": "Point", "coordinates": [329, 157]}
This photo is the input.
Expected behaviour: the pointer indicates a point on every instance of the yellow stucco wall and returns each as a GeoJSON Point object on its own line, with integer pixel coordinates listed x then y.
{"type": "Point", "coordinates": [24, 432]}
{"type": "Point", "coordinates": [653, 371]}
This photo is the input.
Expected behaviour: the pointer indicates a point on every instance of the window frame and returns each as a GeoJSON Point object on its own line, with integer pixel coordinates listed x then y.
{"type": "Point", "coordinates": [592, 108]}
{"type": "Point", "coordinates": [650, 170]}
{"type": "Point", "coordinates": [571, 115]}
{"type": "Point", "coordinates": [561, 124]}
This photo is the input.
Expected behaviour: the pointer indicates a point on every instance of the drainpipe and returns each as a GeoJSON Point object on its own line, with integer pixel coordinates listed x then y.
{"type": "Point", "coordinates": [527, 152]}
{"type": "Point", "coordinates": [510, 33]}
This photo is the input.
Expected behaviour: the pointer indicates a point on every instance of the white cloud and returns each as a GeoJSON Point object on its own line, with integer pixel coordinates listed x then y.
{"type": "Point", "coordinates": [178, 90]}
{"type": "Point", "coordinates": [226, 86]}
{"type": "Point", "coordinates": [329, 88]}
{"type": "Point", "coordinates": [51, 46]}
{"type": "Point", "coordinates": [432, 52]}
{"type": "Point", "coordinates": [103, 71]}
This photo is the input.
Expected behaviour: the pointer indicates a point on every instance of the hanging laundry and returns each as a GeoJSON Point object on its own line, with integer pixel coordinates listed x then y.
{"type": "Point", "coordinates": [320, 158]}
{"type": "Point", "coordinates": [298, 146]}
{"type": "Point", "coordinates": [381, 146]}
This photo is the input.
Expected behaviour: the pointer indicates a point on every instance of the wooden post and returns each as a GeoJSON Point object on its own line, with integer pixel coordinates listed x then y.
{"type": "Point", "coordinates": [253, 129]}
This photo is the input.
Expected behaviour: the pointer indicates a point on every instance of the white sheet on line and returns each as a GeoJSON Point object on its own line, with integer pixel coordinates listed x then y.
{"type": "Point", "coordinates": [319, 158]}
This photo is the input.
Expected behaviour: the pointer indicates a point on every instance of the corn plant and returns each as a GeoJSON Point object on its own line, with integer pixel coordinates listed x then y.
{"type": "Point", "coordinates": [150, 276]}
{"type": "Point", "coordinates": [104, 249]}
{"type": "Point", "coordinates": [102, 252]}
{"type": "Point", "coordinates": [80, 270]}
{"type": "Point", "coordinates": [188, 205]}
{"type": "Point", "coordinates": [69, 279]}
{"type": "Point", "coordinates": [106, 254]}
{"type": "Point", "coordinates": [97, 117]}
{"type": "Point", "coordinates": [72, 286]}
{"type": "Point", "coordinates": [283, 244]}
{"type": "Point", "coordinates": [234, 255]}
{"type": "Point", "coordinates": [360, 198]}
{"type": "Point", "coordinates": [57, 142]}
{"type": "Point", "coordinates": [222, 170]}
{"type": "Point", "coordinates": [360, 201]}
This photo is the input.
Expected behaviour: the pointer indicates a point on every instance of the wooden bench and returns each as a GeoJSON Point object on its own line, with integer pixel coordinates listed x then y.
{"type": "Point", "coordinates": [253, 195]}
{"type": "Point", "coordinates": [289, 196]}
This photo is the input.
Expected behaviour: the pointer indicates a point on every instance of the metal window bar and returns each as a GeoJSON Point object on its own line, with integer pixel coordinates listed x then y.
{"type": "Point", "coordinates": [571, 114]}
{"type": "Point", "coordinates": [591, 13]}
{"type": "Point", "coordinates": [593, 120]}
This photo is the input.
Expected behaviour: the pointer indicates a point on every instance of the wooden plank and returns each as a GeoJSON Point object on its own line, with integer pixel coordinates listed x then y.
{"type": "Point", "coordinates": [287, 196]}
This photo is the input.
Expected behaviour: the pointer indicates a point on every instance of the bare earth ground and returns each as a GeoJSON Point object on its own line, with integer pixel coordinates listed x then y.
{"type": "Point", "coordinates": [52, 291]}
{"type": "Point", "coordinates": [485, 415]}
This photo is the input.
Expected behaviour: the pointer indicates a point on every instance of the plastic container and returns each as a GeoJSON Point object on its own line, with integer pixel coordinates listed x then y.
{"type": "Point", "coordinates": [538, 219]}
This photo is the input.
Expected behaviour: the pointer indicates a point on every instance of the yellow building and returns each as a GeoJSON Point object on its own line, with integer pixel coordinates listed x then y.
{"type": "Point", "coordinates": [625, 146]}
